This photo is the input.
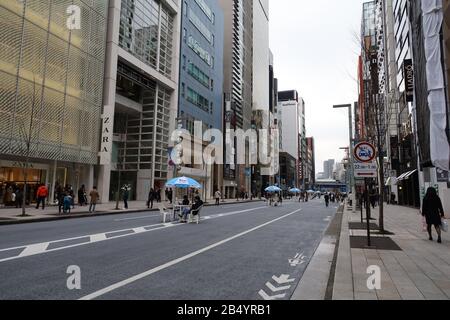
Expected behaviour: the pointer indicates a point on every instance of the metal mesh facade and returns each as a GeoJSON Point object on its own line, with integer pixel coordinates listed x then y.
{"type": "Point", "coordinates": [59, 68]}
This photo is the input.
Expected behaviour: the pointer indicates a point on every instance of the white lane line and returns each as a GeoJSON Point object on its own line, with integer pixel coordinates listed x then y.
{"type": "Point", "coordinates": [98, 237]}
{"type": "Point", "coordinates": [34, 249]}
{"type": "Point", "coordinates": [157, 215]}
{"type": "Point", "coordinates": [179, 260]}
{"type": "Point", "coordinates": [137, 218]}
{"type": "Point", "coordinates": [41, 248]}
{"type": "Point", "coordinates": [139, 230]}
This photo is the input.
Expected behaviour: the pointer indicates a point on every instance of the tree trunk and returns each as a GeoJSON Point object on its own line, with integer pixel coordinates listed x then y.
{"type": "Point", "coordinates": [381, 191]}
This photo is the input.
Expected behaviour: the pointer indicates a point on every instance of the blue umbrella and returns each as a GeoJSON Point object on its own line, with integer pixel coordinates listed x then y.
{"type": "Point", "coordinates": [295, 190]}
{"type": "Point", "coordinates": [273, 189]}
{"type": "Point", "coordinates": [183, 183]}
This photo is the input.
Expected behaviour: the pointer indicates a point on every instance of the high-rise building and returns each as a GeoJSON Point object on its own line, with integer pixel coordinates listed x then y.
{"type": "Point", "coordinates": [291, 118]}
{"type": "Point", "coordinates": [201, 78]}
{"type": "Point", "coordinates": [237, 87]}
{"type": "Point", "coordinates": [140, 95]}
{"type": "Point", "coordinates": [51, 76]}
{"type": "Point", "coordinates": [310, 173]}
{"type": "Point", "coordinates": [328, 169]}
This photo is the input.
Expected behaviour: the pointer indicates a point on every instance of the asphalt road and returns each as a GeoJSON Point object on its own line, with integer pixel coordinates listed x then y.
{"type": "Point", "coordinates": [237, 252]}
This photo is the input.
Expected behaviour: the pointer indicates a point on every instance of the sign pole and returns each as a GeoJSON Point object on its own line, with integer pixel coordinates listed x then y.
{"type": "Point", "coordinates": [361, 205]}
{"type": "Point", "coordinates": [366, 182]}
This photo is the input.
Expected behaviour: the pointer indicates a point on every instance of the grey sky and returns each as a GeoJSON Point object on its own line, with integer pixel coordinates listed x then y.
{"type": "Point", "coordinates": [314, 47]}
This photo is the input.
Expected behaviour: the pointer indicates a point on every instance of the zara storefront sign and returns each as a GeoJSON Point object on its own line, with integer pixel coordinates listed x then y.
{"type": "Point", "coordinates": [107, 138]}
{"type": "Point", "coordinates": [408, 72]}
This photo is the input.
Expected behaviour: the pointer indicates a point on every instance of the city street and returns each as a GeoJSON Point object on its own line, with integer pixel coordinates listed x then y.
{"type": "Point", "coordinates": [242, 251]}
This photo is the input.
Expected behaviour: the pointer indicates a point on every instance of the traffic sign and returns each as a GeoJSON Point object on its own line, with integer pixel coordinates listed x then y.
{"type": "Point", "coordinates": [364, 152]}
{"type": "Point", "coordinates": [365, 170]}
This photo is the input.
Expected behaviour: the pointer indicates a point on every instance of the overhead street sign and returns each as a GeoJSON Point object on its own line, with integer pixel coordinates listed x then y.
{"type": "Point", "coordinates": [364, 152]}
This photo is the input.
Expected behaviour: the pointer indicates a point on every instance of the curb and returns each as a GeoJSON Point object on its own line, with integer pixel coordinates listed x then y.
{"type": "Point", "coordinates": [104, 213]}
{"type": "Point", "coordinates": [320, 292]}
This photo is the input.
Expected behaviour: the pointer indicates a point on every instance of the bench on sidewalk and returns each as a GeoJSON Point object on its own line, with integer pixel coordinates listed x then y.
{"type": "Point", "coordinates": [195, 215]}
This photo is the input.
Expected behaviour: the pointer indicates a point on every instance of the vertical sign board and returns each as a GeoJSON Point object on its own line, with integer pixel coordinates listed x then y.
{"type": "Point", "coordinates": [107, 137]}
{"type": "Point", "coordinates": [408, 73]}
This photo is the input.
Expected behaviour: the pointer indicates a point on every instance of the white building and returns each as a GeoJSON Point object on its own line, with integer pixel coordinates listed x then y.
{"type": "Point", "coordinates": [140, 95]}
{"type": "Point", "coordinates": [291, 120]}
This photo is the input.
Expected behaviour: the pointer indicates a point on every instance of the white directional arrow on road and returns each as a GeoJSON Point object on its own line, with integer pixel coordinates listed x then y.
{"type": "Point", "coordinates": [284, 278]}
{"type": "Point", "coordinates": [265, 296]}
{"type": "Point", "coordinates": [274, 289]}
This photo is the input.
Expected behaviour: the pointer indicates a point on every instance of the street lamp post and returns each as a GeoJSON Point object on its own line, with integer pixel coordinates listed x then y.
{"type": "Point", "coordinates": [352, 175]}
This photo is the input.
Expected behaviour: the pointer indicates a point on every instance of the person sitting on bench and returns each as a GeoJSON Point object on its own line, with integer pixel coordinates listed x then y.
{"type": "Point", "coordinates": [197, 205]}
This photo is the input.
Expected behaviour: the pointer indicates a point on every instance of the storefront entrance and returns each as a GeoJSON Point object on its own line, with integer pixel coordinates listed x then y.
{"type": "Point", "coordinates": [13, 179]}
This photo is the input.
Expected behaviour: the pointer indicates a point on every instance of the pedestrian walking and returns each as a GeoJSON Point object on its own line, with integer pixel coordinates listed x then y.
{"type": "Point", "coordinates": [72, 196]}
{"type": "Point", "coordinates": [68, 200]}
{"type": "Point", "coordinates": [19, 198]}
{"type": "Point", "coordinates": [82, 198]}
{"type": "Point", "coordinates": [433, 212]}
{"type": "Point", "coordinates": [95, 196]}
{"type": "Point", "coordinates": [327, 199]}
{"type": "Point", "coordinates": [42, 194]}
{"type": "Point", "coordinates": [60, 197]}
{"type": "Point", "coordinates": [158, 196]}
{"type": "Point", "coordinates": [218, 195]}
{"type": "Point", "coordinates": [151, 198]}
{"type": "Point", "coordinates": [126, 195]}
{"type": "Point", "coordinates": [170, 195]}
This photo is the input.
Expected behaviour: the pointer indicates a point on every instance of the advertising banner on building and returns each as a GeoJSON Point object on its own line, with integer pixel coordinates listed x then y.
{"type": "Point", "coordinates": [408, 73]}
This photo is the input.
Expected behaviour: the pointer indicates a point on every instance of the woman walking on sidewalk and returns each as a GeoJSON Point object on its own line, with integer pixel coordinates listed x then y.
{"type": "Point", "coordinates": [433, 212]}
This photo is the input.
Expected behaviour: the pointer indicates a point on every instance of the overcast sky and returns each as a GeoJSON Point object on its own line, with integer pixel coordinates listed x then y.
{"type": "Point", "coordinates": [315, 52]}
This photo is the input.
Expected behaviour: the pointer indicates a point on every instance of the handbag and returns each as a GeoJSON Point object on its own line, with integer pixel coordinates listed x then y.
{"type": "Point", "coordinates": [424, 225]}
{"type": "Point", "coordinates": [444, 226]}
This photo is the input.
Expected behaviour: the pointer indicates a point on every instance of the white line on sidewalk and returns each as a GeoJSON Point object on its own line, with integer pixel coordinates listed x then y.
{"type": "Point", "coordinates": [179, 260]}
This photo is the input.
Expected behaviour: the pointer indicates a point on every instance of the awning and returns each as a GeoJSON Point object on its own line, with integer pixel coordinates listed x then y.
{"type": "Point", "coordinates": [391, 181]}
{"type": "Point", "coordinates": [406, 175]}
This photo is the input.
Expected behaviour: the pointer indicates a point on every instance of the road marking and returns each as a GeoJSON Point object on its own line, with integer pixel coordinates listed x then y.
{"type": "Point", "coordinates": [137, 218]}
{"type": "Point", "coordinates": [266, 297]}
{"type": "Point", "coordinates": [41, 248]}
{"type": "Point", "coordinates": [98, 237]}
{"type": "Point", "coordinates": [34, 249]}
{"type": "Point", "coordinates": [179, 260]}
{"type": "Point", "coordinates": [284, 278]}
{"type": "Point", "coordinates": [274, 289]}
{"type": "Point", "coordinates": [299, 259]}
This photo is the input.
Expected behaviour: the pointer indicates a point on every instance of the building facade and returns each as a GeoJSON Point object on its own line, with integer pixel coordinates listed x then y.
{"type": "Point", "coordinates": [201, 79]}
{"type": "Point", "coordinates": [310, 174]}
{"type": "Point", "coordinates": [52, 56]}
{"type": "Point", "coordinates": [291, 118]}
{"type": "Point", "coordinates": [140, 95]}
{"type": "Point", "coordinates": [237, 88]}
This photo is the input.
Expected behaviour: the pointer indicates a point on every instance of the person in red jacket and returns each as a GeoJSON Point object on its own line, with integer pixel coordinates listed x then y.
{"type": "Point", "coordinates": [42, 194]}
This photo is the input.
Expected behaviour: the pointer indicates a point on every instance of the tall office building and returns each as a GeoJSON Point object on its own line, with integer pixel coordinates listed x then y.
{"type": "Point", "coordinates": [52, 56]}
{"type": "Point", "coordinates": [201, 78]}
{"type": "Point", "coordinates": [291, 118]}
{"type": "Point", "coordinates": [237, 87]}
{"type": "Point", "coordinates": [140, 95]}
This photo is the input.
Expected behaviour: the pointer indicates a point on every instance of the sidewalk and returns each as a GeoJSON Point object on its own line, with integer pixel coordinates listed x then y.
{"type": "Point", "coordinates": [418, 270]}
{"type": "Point", "coordinates": [12, 215]}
